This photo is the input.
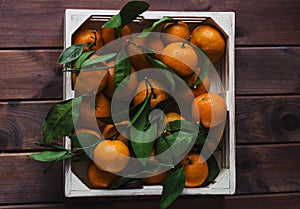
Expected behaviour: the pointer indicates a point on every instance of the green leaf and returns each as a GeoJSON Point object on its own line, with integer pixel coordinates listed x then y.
{"type": "Point", "coordinates": [122, 68]}
{"type": "Point", "coordinates": [141, 114]}
{"type": "Point", "coordinates": [71, 53]}
{"type": "Point", "coordinates": [143, 133]}
{"type": "Point", "coordinates": [122, 115]}
{"type": "Point", "coordinates": [162, 146]}
{"type": "Point", "coordinates": [146, 31]}
{"type": "Point", "coordinates": [143, 144]}
{"type": "Point", "coordinates": [168, 73]}
{"type": "Point", "coordinates": [172, 188]}
{"type": "Point", "coordinates": [82, 58]}
{"type": "Point", "coordinates": [98, 59]}
{"type": "Point", "coordinates": [213, 170]}
{"type": "Point", "coordinates": [183, 125]}
{"type": "Point", "coordinates": [174, 147]}
{"type": "Point", "coordinates": [114, 22]}
{"type": "Point", "coordinates": [60, 119]}
{"type": "Point", "coordinates": [75, 141]}
{"type": "Point", "coordinates": [131, 11]}
{"type": "Point", "coordinates": [65, 156]}
{"type": "Point", "coordinates": [202, 135]}
{"type": "Point", "coordinates": [48, 155]}
{"type": "Point", "coordinates": [143, 141]}
{"type": "Point", "coordinates": [165, 104]}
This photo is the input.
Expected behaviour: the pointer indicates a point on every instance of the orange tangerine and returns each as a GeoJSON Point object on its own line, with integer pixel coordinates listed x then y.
{"type": "Point", "coordinates": [175, 31]}
{"type": "Point", "coordinates": [181, 57]}
{"type": "Point", "coordinates": [110, 34]}
{"type": "Point", "coordinates": [92, 39]}
{"type": "Point", "coordinates": [99, 178]}
{"type": "Point", "coordinates": [210, 40]}
{"type": "Point", "coordinates": [111, 156]}
{"type": "Point", "coordinates": [158, 93]}
{"type": "Point", "coordinates": [195, 170]}
{"type": "Point", "coordinates": [212, 109]}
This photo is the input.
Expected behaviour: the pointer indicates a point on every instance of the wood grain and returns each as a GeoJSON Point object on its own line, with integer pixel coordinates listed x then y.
{"type": "Point", "coordinates": [34, 74]}
{"type": "Point", "coordinates": [270, 119]}
{"type": "Point", "coordinates": [270, 70]}
{"type": "Point", "coordinates": [265, 201]}
{"type": "Point", "coordinates": [268, 168]}
{"type": "Point", "coordinates": [30, 74]}
{"type": "Point", "coordinates": [267, 104]}
{"type": "Point", "coordinates": [40, 23]}
{"type": "Point", "coordinates": [23, 180]}
{"type": "Point", "coordinates": [260, 169]}
{"type": "Point", "coordinates": [21, 124]}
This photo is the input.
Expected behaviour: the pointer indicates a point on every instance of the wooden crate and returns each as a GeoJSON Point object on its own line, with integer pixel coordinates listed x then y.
{"type": "Point", "coordinates": [225, 22]}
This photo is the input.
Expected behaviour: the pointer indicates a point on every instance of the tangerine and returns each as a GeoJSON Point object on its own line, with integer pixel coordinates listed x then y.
{"type": "Point", "coordinates": [136, 55]}
{"type": "Point", "coordinates": [102, 107]}
{"type": "Point", "coordinates": [172, 116]}
{"type": "Point", "coordinates": [195, 169]}
{"type": "Point", "coordinates": [110, 131]}
{"type": "Point", "coordinates": [111, 156]}
{"type": "Point", "coordinates": [175, 31]}
{"type": "Point", "coordinates": [181, 57]}
{"type": "Point", "coordinates": [92, 39]}
{"type": "Point", "coordinates": [90, 81]}
{"type": "Point", "coordinates": [111, 34]}
{"type": "Point", "coordinates": [210, 40]}
{"type": "Point", "coordinates": [157, 88]}
{"type": "Point", "coordinates": [99, 178]}
{"type": "Point", "coordinates": [87, 117]}
{"type": "Point", "coordinates": [202, 87]}
{"type": "Point", "coordinates": [212, 109]}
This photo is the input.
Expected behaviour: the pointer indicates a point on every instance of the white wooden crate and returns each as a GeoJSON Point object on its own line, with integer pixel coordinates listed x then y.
{"type": "Point", "coordinates": [225, 182]}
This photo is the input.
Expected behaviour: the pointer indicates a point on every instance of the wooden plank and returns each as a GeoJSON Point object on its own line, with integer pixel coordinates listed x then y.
{"type": "Point", "coordinates": [34, 74]}
{"type": "Point", "coordinates": [30, 74]}
{"type": "Point", "coordinates": [210, 202]}
{"type": "Point", "coordinates": [268, 168]}
{"type": "Point", "coordinates": [260, 169]}
{"type": "Point", "coordinates": [271, 70]}
{"type": "Point", "coordinates": [28, 24]}
{"type": "Point", "coordinates": [258, 120]}
{"type": "Point", "coordinates": [35, 206]}
{"type": "Point", "coordinates": [265, 201]}
{"type": "Point", "coordinates": [270, 119]}
{"type": "Point", "coordinates": [23, 180]}
{"type": "Point", "coordinates": [21, 124]}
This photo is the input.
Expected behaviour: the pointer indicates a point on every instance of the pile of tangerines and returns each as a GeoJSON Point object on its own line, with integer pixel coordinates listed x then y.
{"type": "Point", "coordinates": [177, 50]}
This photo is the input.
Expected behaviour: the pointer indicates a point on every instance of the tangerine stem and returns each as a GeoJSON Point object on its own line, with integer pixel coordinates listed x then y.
{"type": "Point", "coordinates": [183, 43]}
{"type": "Point", "coordinates": [151, 89]}
{"type": "Point", "coordinates": [90, 45]}
{"type": "Point", "coordinates": [96, 68]}
{"type": "Point", "coordinates": [188, 161]}
{"type": "Point", "coordinates": [144, 50]}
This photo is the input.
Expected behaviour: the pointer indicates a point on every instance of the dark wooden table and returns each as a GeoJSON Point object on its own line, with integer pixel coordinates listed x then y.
{"type": "Point", "coordinates": [267, 103]}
